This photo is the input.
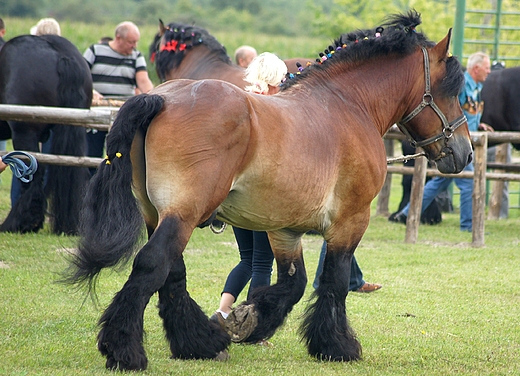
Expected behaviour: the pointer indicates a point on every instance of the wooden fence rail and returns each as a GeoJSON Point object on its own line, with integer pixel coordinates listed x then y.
{"type": "Point", "coordinates": [480, 141]}
{"type": "Point", "coordinates": [99, 118]}
{"type": "Point", "coordinates": [62, 160]}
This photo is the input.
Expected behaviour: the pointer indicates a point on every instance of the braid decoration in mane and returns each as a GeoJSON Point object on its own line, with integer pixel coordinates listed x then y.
{"type": "Point", "coordinates": [396, 35]}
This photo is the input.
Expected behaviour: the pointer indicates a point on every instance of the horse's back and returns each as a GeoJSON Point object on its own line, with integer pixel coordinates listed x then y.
{"type": "Point", "coordinates": [29, 70]}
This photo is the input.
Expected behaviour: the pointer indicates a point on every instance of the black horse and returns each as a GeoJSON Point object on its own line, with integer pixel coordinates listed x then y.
{"type": "Point", "coordinates": [46, 71]}
{"type": "Point", "coordinates": [499, 94]}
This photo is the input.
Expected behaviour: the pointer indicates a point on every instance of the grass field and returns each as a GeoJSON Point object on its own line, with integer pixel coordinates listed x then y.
{"type": "Point", "coordinates": [445, 308]}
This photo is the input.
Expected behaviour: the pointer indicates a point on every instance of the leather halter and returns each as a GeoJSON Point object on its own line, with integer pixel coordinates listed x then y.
{"type": "Point", "coordinates": [447, 127]}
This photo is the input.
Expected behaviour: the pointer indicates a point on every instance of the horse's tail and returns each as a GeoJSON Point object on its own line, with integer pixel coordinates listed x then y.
{"type": "Point", "coordinates": [65, 185]}
{"type": "Point", "coordinates": [111, 222]}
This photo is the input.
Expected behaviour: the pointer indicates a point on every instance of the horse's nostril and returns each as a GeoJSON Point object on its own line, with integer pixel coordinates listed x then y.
{"type": "Point", "coordinates": [470, 158]}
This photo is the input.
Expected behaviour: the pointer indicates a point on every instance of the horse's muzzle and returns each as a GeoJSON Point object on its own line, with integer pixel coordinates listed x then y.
{"type": "Point", "coordinates": [453, 162]}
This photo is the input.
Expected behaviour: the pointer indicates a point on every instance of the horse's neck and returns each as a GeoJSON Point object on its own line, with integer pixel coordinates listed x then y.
{"type": "Point", "coordinates": [382, 91]}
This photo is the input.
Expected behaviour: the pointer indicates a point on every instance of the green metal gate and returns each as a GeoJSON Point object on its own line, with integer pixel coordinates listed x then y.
{"type": "Point", "coordinates": [494, 31]}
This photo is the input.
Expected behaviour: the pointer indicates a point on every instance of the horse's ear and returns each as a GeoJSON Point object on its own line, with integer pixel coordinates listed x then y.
{"type": "Point", "coordinates": [162, 28]}
{"type": "Point", "coordinates": [442, 48]}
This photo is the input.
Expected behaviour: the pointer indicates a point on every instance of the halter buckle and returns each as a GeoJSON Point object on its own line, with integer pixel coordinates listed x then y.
{"type": "Point", "coordinates": [427, 98]}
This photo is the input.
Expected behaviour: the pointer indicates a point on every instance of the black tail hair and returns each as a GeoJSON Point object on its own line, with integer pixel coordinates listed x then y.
{"type": "Point", "coordinates": [110, 222]}
{"type": "Point", "coordinates": [66, 185]}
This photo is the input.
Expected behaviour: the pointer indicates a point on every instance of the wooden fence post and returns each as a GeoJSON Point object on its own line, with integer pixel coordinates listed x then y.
{"type": "Point", "coordinates": [414, 214]}
{"type": "Point", "coordinates": [384, 196]}
{"type": "Point", "coordinates": [497, 187]}
{"type": "Point", "coordinates": [479, 187]}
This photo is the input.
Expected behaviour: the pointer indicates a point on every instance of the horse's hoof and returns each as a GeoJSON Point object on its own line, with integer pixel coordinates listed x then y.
{"type": "Point", "coordinates": [241, 322]}
{"type": "Point", "coordinates": [113, 365]}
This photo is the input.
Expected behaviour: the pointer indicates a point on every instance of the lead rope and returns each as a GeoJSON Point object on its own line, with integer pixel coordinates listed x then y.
{"type": "Point", "coordinates": [18, 167]}
{"type": "Point", "coordinates": [404, 158]}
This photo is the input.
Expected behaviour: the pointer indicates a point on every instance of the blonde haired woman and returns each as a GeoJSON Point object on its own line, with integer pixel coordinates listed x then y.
{"type": "Point", "coordinates": [265, 74]}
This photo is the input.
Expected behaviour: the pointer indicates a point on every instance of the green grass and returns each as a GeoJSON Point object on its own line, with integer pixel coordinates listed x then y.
{"type": "Point", "coordinates": [445, 307]}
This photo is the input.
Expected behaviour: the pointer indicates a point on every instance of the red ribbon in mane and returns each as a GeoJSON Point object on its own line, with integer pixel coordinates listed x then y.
{"type": "Point", "coordinates": [170, 46]}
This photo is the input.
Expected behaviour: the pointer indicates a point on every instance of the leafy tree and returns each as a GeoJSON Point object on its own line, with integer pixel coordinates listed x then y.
{"type": "Point", "coordinates": [252, 6]}
{"type": "Point", "coordinates": [20, 8]}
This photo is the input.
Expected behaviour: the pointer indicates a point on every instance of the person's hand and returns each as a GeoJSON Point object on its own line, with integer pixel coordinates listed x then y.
{"type": "Point", "coordinates": [485, 127]}
{"type": "Point", "coordinates": [96, 96]}
{"type": "Point", "coordinates": [3, 166]}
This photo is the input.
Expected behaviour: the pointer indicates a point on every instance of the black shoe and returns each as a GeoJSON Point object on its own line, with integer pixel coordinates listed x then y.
{"type": "Point", "coordinates": [397, 217]}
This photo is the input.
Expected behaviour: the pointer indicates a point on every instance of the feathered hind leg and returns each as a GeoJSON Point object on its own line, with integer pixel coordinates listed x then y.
{"type": "Point", "coordinates": [327, 332]}
{"type": "Point", "coordinates": [121, 336]}
{"type": "Point", "coordinates": [190, 334]}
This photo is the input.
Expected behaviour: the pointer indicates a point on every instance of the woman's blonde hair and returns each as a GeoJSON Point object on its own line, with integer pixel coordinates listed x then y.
{"type": "Point", "coordinates": [46, 26]}
{"type": "Point", "coordinates": [265, 69]}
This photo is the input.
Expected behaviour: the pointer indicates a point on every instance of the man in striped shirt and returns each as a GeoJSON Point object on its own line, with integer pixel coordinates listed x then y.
{"type": "Point", "coordinates": [117, 68]}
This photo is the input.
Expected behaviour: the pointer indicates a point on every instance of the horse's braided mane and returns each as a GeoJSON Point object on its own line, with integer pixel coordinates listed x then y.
{"type": "Point", "coordinates": [396, 35]}
{"type": "Point", "coordinates": [182, 38]}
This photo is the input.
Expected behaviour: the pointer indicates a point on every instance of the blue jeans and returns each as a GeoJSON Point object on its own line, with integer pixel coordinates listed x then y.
{"type": "Point", "coordinates": [256, 262]}
{"type": "Point", "coordinates": [438, 184]}
{"type": "Point", "coordinates": [356, 275]}
{"type": "Point", "coordinates": [16, 184]}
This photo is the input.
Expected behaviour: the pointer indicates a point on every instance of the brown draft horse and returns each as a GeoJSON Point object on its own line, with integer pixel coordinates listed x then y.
{"type": "Point", "coordinates": [186, 51]}
{"type": "Point", "coordinates": [308, 158]}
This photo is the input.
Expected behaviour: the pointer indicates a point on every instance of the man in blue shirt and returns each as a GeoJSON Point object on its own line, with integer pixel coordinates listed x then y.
{"type": "Point", "coordinates": [478, 68]}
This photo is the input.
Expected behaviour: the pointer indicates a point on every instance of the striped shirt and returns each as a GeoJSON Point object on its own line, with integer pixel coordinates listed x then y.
{"type": "Point", "coordinates": [113, 73]}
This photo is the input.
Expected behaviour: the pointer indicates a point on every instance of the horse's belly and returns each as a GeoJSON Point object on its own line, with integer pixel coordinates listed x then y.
{"type": "Point", "coordinates": [270, 208]}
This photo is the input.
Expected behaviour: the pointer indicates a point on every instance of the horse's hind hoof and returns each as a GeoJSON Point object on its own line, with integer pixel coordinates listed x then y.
{"type": "Point", "coordinates": [241, 322]}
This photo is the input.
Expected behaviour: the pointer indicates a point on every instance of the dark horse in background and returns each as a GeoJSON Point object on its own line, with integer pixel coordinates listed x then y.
{"type": "Point", "coordinates": [308, 158]}
{"type": "Point", "coordinates": [501, 105]}
{"type": "Point", "coordinates": [46, 70]}
{"type": "Point", "coordinates": [186, 51]}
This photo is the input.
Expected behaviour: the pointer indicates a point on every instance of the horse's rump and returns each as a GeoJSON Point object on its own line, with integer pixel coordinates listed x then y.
{"type": "Point", "coordinates": [48, 70]}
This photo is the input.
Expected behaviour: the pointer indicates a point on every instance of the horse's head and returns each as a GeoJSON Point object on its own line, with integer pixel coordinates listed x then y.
{"type": "Point", "coordinates": [170, 45]}
{"type": "Point", "coordinates": [174, 41]}
{"type": "Point", "coordinates": [439, 126]}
